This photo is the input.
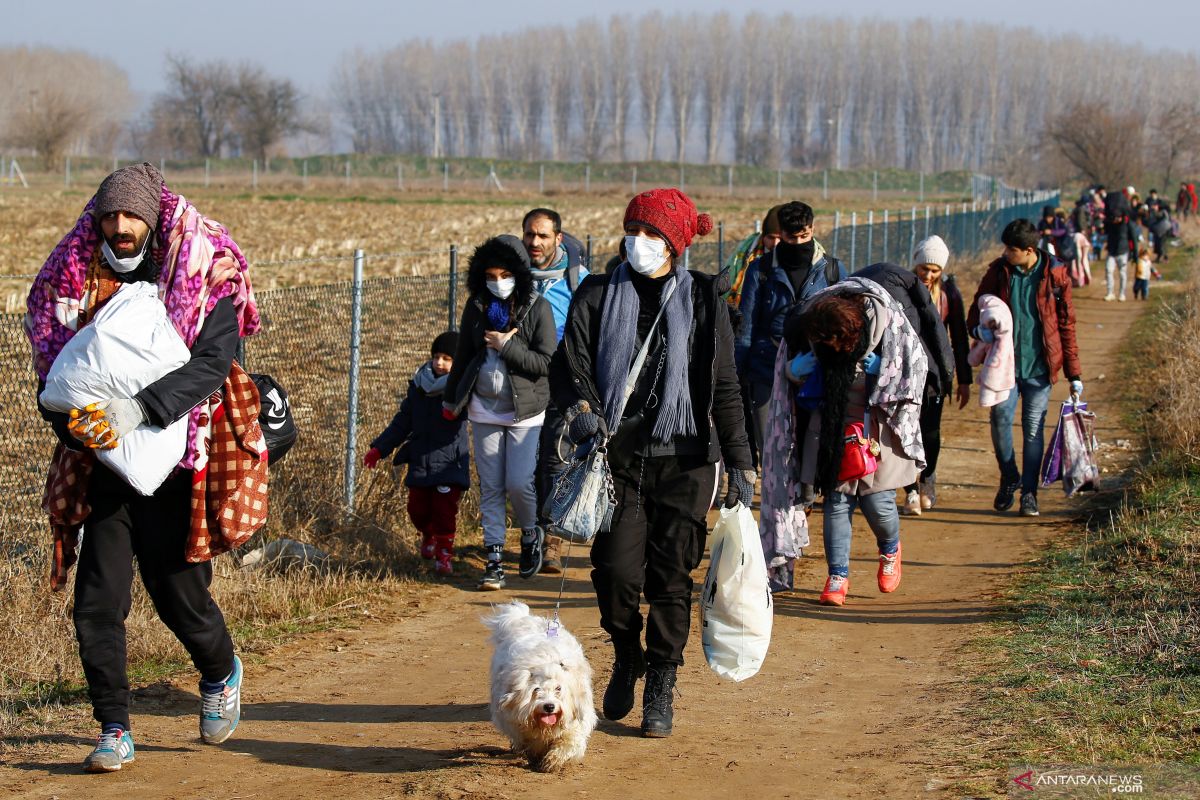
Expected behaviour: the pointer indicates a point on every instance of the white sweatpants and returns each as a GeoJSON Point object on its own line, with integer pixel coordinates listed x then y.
{"type": "Point", "coordinates": [1110, 269]}
{"type": "Point", "coordinates": [506, 459]}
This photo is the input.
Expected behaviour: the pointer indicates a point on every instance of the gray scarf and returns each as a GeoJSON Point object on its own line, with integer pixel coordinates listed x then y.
{"type": "Point", "coordinates": [618, 335]}
{"type": "Point", "coordinates": [427, 382]}
{"type": "Point", "coordinates": [553, 272]}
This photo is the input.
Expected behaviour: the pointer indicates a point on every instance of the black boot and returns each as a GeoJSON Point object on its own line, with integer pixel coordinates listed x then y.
{"type": "Point", "coordinates": [628, 666]}
{"type": "Point", "coordinates": [658, 712]}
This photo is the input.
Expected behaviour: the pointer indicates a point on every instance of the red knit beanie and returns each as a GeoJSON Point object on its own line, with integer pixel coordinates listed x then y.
{"type": "Point", "coordinates": [671, 213]}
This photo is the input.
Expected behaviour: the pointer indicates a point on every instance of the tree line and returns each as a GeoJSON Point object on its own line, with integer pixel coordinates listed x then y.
{"type": "Point", "coordinates": [762, 90]}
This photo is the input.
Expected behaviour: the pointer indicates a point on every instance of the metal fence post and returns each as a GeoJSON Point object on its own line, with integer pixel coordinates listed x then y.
{"type": "Point", "coordinates": [347, 172]}
{"type": "Point", "coordinates": [730, 176]}
{"type": "Point", "coordinates": [853, 237]}
{"type": "Point", "coordinates": [304, 174]}
{"type": "Point", "coordinates": [452, 295]}
{"type": "Point", "coordinates": [352, 399]}
{"type": "Point", "coordinates": [870, 235]}
{"type": "Point", "coordinates": [542, 179]}
{"type": "Point", "coordinates": [825, 186]}
{"type": "Point", "coordinates": [926, 222]}
{"type": "Point", "coordinates": [837, 229]}
{"type": "Point", "coordinates": [885, 235]}
{"type": "Point", "coordinates": [912, 231]}
{"type": "Point", "coordinates": [633, 184]}
{"type": "Point", "coordinates": [589, 251]}
{"type": "Point", "coordinates": [721, 242]}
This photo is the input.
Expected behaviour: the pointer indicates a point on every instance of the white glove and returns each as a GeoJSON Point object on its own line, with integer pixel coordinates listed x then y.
{"type": "Point", "coordinates": [100, 425]}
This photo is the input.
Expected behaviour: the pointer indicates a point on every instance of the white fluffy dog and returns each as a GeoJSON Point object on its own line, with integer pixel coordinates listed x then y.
{"type": "Point", "coordinates": [541, 688]}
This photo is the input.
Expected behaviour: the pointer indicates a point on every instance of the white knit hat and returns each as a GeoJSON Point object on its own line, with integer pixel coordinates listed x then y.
{"type": "Point", "coordinates": [932, 251]}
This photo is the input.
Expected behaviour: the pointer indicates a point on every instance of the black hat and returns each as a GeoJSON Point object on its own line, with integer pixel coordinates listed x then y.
{"type": "Point", "coordinates": [446, 343]}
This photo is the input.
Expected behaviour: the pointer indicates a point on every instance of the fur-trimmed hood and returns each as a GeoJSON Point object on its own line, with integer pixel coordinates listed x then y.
{"type": "Point", "coordinates": [501, 251]}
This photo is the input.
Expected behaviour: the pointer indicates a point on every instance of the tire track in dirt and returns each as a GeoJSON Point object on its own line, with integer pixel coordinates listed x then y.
{"type": "Point", "coordinates": [854, 702]}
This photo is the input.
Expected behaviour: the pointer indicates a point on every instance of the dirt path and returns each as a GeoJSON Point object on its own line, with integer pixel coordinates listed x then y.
{"type": "Point", "coordinates": [852, 702]}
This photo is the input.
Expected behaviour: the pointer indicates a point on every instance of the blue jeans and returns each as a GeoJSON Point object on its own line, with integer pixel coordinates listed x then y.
{"type": "Point", "coordinates": [881, 513]}
{"type": "Point", "coordinates": [1035, 396]}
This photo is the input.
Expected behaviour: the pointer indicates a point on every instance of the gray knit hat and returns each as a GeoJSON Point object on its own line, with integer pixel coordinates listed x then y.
{"type": "Point", "coordinates": [136, 189]}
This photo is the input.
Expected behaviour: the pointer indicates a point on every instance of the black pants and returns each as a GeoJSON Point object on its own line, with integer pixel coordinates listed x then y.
{"type": "Point", "coordinates": [652, 548]}
{"type": "Point", "coordinates": [931, 431]}
{"type": "Point", "coordinates": [124, 525]}
{"type": "Point", "coordinates": [550, 458]}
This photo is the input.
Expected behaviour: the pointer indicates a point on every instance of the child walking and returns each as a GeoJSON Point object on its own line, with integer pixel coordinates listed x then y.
{"type": "Point", "coordinates": [436, 451]}
{"type": "Point", "coordinates": [1141, 275]}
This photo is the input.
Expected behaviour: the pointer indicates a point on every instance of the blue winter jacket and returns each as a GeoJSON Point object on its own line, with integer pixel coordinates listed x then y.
{"type": "Point", "coordinates": [767, 296]}
{"type": "Point", "coordinates": [435, 448]}
{"type": "Point", "coordinates": [558, 295]}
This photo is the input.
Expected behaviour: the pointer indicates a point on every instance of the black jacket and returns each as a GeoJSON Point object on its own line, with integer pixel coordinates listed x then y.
{"type": "Point", "coordinates": [712, 379]}
{"type": "Point", "coordinates": [906, 288]}
{"type": "Point", "coordinates": [178, 392]}
{"type": "Point", "coordinates": [435, 448]}
{"type": "Point", "coordinates": [527, 354]}
{"type": "Point", "coordinates": [956, 325]}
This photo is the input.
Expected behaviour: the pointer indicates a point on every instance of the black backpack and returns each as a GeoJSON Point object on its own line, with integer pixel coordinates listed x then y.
{"type": "Point", "coordinates": [275, 417]}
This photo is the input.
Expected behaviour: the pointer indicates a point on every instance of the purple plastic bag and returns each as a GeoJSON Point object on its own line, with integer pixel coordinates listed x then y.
{"type": "Point", "coordinates": [1053, 460]}
{"type": "Point", "coordinates": [1079, 468]}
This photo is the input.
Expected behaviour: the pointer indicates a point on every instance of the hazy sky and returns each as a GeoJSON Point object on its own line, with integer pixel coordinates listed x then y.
{"type": "Point", "coordinates": [303, 39]}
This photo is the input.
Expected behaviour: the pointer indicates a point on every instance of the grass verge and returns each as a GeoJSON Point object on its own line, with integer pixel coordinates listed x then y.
{"type": "Point", "coordinates": [1097, 658]}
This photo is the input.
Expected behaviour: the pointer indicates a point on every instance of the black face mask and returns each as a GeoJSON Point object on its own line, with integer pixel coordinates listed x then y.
{"type": "Point", "coordinates": [795, 256]}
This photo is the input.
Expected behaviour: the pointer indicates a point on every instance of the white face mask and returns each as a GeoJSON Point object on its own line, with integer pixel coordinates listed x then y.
{"type": "Point", "coordinates": [645, 255]}
{"type": "Point", "coordinates": [123, 265]}
{"type": "Point", "coordinates": [503, 287]}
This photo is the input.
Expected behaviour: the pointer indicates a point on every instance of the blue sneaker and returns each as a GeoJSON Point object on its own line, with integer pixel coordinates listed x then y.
{"type": "Point", "coordinates": [221, 706]}
{"type": "Point", "coordinates": [114, 749]}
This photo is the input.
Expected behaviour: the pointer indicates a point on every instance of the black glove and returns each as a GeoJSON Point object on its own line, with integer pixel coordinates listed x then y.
{"type": "Point", "coordinates": [586, 424]}
{"type": "Point", "coordinates": [741, 487]}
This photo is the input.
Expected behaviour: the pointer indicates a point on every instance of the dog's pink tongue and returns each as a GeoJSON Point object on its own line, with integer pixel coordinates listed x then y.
{"type": "Point", "coordinates": [548, 719]}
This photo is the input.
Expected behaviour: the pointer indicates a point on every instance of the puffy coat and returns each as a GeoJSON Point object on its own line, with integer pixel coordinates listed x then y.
{"type": "Point", "coordinates": [1055, 308]}
{"type": "Point", "coordinates": [527, 353]}
{"type": "Point", "coordinates": [435, 448]}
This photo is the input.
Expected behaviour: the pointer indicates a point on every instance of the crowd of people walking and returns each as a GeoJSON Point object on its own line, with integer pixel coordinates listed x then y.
{"type": "Point", "coordinates": [829, 386]}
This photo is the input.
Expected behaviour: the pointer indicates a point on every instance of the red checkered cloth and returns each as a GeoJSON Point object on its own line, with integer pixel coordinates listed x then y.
{"type": "Point", "coordinates": [65, 500]}
{"type": "Point", "coordinates": [229, 480]}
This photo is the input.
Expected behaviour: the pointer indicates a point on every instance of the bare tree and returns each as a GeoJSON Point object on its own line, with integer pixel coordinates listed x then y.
{"type": "Point", "coordinates": [620, 81]}
{"type": "Point", "coordinates": [651, 76]}
{"type": "Point", "coordinates": [1176, 140]}
{"type": "Point", "coordinates": [587, 46]}
{"type": "Point", "coordinates": [715, 71]}
{"type": "Point", "coordinates": [198, 105]}
{"type": "Point", "coordinates": [267, 111]}
{"type": "Point", "coordinates": [1100, 143]}
{"type": "Point", "coordinates": [683, 70]}
{"type": "Point", "coordinates": [55, 102]}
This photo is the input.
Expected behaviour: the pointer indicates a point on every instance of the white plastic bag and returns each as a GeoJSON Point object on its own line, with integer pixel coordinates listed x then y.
{"type": "Point", "coordinates": [130, 344]}
{"type": "Point", "coordinates": [736, 608]}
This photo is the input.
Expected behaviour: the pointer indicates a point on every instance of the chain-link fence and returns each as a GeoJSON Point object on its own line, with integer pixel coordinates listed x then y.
{"type": "Point", "coordinates": [402, 173]}
{"type": "Point", "coordinates": [968, 229]}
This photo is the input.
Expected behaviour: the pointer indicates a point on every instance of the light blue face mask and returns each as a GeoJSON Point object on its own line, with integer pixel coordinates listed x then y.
{"type": "Point", "coordinates": [123, 265]}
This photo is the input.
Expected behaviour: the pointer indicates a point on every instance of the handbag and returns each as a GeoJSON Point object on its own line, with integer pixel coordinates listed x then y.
{"type": "Point", "coordinates": [275, 417]}
{"type": "Point", "coordinates": [584, 497]}
{"type": "Point", "coordinates": [860, 454]}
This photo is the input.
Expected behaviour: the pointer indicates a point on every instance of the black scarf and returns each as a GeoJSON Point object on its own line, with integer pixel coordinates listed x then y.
{"type": "Point", "coordinates": [796, 260]}
{"type": "Point", "coordinates": [839, 371]}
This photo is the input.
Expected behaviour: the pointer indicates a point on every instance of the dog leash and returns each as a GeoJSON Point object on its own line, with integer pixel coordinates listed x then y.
{"type": "Point", "coordinates": [554, 624]}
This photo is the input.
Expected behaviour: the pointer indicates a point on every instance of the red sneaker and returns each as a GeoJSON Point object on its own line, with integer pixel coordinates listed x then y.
{"type": "Point", "coordinates": [428, 546]}
{"type": "Point", "coordinates": [889, 571]}
{"type": "Point", "coordinates": [445, 555]}
{"type": "Point", "coordinates": [835, 591]}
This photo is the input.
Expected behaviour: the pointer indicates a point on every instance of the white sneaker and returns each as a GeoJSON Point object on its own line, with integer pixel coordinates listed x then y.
{"type": "Point", "coordinates": [1108, 298]}
{"type": "Point", "coordinates": [912, 504]}
{"type": "Point", "coordinates": [1122, 298]}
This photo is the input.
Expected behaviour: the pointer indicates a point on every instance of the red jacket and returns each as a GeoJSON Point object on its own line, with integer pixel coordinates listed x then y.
{"type": "Point", "coordinates": [1055, 307]}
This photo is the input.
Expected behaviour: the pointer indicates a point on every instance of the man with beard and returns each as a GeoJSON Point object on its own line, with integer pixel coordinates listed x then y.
{"type": "Point", "coordinates": [559, 264]}
{"type": "Point", "coordinates": [777, 283]}
{"type": "Point", "coordinates": [133, 231]}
